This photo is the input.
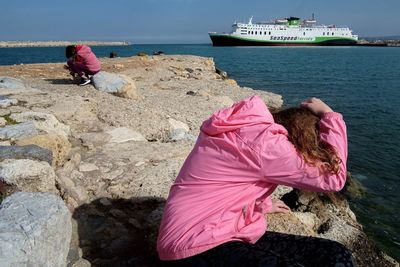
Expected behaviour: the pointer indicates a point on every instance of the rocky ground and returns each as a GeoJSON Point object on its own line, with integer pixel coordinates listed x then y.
{"type": "Point", "coordinates": [112, 157]}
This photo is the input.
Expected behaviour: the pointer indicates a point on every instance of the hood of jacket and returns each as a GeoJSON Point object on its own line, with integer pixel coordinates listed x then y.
{"type": "Point", "coordinates": [248, 112]}
{"type": "Point", "coordinates": [83, 50]}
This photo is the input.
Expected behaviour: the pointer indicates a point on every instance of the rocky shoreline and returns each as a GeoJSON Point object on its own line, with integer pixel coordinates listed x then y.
{"type": "Point", "coordinates": [105, 160]}
{"type": "Point", "coordinates": [10, 44]}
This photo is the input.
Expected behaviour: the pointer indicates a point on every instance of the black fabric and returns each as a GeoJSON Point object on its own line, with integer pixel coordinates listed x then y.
{"type": "Point", "coordinates": [275, 250]}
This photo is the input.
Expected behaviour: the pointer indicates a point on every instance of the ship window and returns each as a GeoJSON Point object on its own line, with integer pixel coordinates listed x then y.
{"type": "Point", "coordinates": [249, 32]}
{"type": "Point", "coordinates": [323, 33]}
{"type": "Point", "coordinates": [332, 33]}
{"type": "Point", "coordinates": [269, 33]}
{"type": "Point", "coordinates": [304, 33]}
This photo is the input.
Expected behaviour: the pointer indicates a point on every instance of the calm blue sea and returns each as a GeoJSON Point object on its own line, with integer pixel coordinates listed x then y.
{"type": "Point", "coordinates": [363, 83]}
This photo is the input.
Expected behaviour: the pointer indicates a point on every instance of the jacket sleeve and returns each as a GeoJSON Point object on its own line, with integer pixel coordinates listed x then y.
{"type": "Point", "coordinates": [282, 164]}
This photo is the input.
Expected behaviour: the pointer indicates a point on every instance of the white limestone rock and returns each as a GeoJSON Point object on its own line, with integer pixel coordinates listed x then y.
{"type": "Point", "coordinates": [18, 131]}
{"type": "Point", "coordinates": [28, 175]}
{"type": "Point", "coordinates": [43, 121]}
{"type": "Point", "coordinates": [88, 167]}
{"type": "Point", "coordinates": [174, 124]}
{"type": "Point", "coordinates": [35, 230]}
{"type": "Point", "coordinates": [179, 131]}
{"type": "Point", "coordinates": [309, 219]}
{"type": "Point", "coordinates": [10, 86]}
{"type": "Point", "coordinates": [6, 102]}
{"type": "Point", "coordinates": [272, 100]}
{"type": "Point", "coordinates": [281, 190]}
{"type": "Point", "coordinates": [119, 85]}
{"type": "Point", "coordinates": [122, 134]}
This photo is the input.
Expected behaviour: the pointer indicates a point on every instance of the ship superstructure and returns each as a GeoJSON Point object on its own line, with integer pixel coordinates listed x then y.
{"type": "Point", "coordinates": [288, 31]}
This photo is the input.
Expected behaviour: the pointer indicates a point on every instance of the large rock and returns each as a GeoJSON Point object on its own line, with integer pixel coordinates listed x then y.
{"type": "Point", "coordinates": [18, 131]}
{"type": "Point", "coordinates": [11, 83]}
{"type": "Point", "coordinates": [28, 175]}
{"type": "Point", "coordinates": [10, 86]}
{"type": "Point", "coordinates": [57, 144]}
{"type": "Point", "coordinates": [271, 100]}
{"type": "Point", "coordinates": [35, 230]}
{"type": "Point", "coordinates": [43, 121]}
{"type": "Point", "coordinates": [26, 152]}
{"type": "Point", "coordinates": [119, 85]}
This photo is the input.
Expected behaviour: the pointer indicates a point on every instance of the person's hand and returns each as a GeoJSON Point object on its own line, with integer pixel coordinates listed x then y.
{"type": "Point", "coordinates": [278, 206]}
{"type": "Point", "coordinates": [316, 105]}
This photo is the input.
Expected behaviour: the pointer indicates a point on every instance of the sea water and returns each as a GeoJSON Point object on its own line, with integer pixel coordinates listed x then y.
{"type": "Point", "coordinates": [362, 83]}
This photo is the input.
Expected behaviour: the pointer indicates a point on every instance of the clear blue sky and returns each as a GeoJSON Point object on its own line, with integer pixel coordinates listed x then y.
{"type": "Point", "coordinates": [180, 21]}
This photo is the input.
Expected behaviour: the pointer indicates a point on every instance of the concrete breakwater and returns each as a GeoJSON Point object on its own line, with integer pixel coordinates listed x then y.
{"type": "Point", "coordinates": [379, 43]}
{"type": "Point", "coordinates": [111, 158]}
{"type": "Point", "coordinates": [5, 44]}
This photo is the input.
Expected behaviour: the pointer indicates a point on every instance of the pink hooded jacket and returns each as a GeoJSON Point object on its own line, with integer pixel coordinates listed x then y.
{"type": "Point", "coordinates": [85, 55]}
{"type": "Point", "coordinates": [223, 189]}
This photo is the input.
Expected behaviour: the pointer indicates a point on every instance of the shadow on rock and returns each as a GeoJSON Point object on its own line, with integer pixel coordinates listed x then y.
{"type": "Point", "coordinates": [119, 232]}
{"type": "Point", "coordinates": [6, 190]}
{"type": "Point", "coordinates": [60, 81]}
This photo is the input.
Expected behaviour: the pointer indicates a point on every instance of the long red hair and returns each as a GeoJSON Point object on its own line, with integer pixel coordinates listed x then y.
{"type": "Point", "coordinates": [303, 129]}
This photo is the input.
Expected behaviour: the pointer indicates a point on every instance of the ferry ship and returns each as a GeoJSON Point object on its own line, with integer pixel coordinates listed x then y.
{"type": "Point", "coordinates": [284, 32]}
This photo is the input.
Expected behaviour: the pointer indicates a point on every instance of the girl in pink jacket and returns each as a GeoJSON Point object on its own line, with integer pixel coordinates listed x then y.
{"type": "Point", "coordinates": [82, 62]}
{"type": "Point", "coordinates": [215, 212]}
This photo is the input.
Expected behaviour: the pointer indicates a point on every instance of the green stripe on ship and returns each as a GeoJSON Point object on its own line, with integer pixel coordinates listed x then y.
{"type": "Point", "coordinates": [324, 39]}
{"type": "Point", "coordinates": [317, 39]}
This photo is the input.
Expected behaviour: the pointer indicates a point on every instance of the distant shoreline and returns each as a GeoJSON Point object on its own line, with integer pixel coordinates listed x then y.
{"type": "Point", "coordinates": [10, 44]}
